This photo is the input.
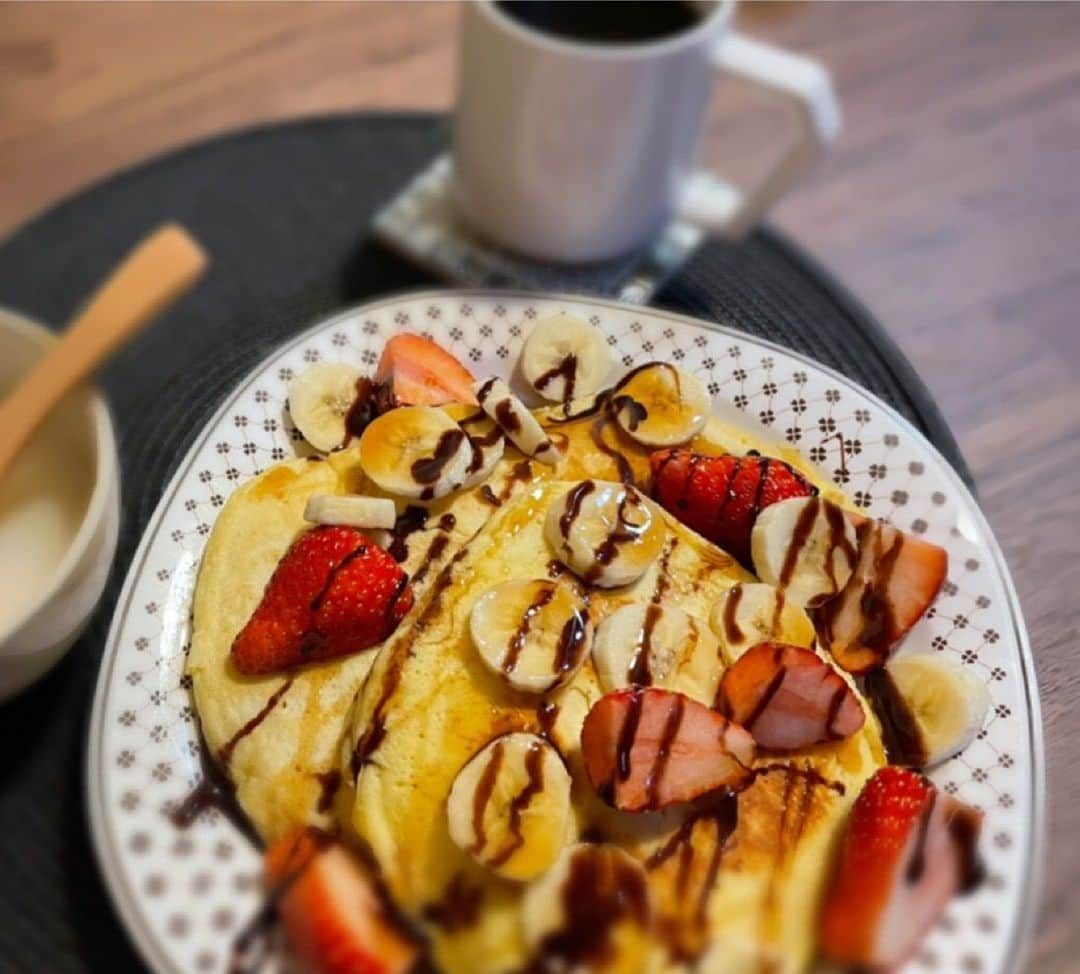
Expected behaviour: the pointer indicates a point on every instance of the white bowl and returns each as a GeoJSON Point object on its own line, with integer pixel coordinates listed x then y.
{"type": "Point", "coordinates": [68, 571]}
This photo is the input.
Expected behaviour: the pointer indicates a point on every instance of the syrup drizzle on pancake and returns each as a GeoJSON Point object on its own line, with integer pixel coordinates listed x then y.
{"type": "Point", "coordinates": [622, 465]}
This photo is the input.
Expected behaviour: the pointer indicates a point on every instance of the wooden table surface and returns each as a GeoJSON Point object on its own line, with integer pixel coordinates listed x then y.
{"type": "Point", "coordinates": [950, 206]}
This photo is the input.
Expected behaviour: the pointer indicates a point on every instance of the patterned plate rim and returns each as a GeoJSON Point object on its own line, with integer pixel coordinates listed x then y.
{"type": "Point", "coordinates": [126, 902]}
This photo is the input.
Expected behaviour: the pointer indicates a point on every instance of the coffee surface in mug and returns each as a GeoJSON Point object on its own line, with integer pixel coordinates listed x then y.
{"type": "Point", "coordinates": [611, 22]}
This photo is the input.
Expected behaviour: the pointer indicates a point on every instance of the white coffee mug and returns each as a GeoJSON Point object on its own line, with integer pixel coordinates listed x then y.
{"type": "Point", "coordinates": [577, 151]}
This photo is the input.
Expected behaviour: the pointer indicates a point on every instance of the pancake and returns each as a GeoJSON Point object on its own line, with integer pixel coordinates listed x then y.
{"type": "Point", "coordinates": [277, 735]}
{"type": "Point", "coordinates": [744, 874]}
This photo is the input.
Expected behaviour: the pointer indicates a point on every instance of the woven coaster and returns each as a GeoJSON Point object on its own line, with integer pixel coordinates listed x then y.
{"type": "Point", "coordinates": [422, 224]}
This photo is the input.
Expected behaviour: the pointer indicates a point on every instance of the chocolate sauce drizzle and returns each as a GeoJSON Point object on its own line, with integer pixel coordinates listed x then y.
{"type": "Point", "coordinates": [534, 769]}
{"type": "Point", "coordinates": [964, 831]}
{"type": "Point", "coordinates": [639, 672]}
{"type": "Point", "coordinates": [226, 752]}
{"type": "Point", "coordinates": [636, 412]}
{"type": "Point", "coordinates": [212, 790]}
{"type": "Point", "coordinates": [316, 603]}
{"type": "Point", "coordinates": [372, 737]}
{"type": "Point", "coordinates": [427, 470]}
{"type": "Point", "coordinates": [480, 443]}
{"type": "Point", "coordinates": [517, 639]}
{"type": "Point", "coordinates": [808, 773]}
{"type": "Point", "coordinates": [622, 465]}
{"type": "Point", "coordinates": [804, 524]}
{"type": "Point", "coordinates": [329, 782]}
{"type": "Point", "coordinates": [624, 533]}
{"type": "Point", "coordinates": [627, 734]}
{"type": "Point", "coordinates": [568, 649]}
{"type": "Point", "coordinates": [485, 787]}
{"type": "Point", "coordinates": [838, 540]}
{"type": "Point", "coordinates": [900, 733]}
{"type": "Point", "coordinates": [372, 400]}
{"type": "Point", "coordinates": [874, 572]}
{"type": "Point", "coordinates": [601, 891]}
{"type": "Point", "coordinates": [731, 609]}
{"type": "Point", "coordinates": [412, 519]}
{"type": "Point", "coordinates": [770, 691]}
{"type": "Point", "coordinates": [567, 369]}
{"type": "Point", "coordinates": [459, 906]}
{"type": "Point", "coordinates": [917, 864]}
{"type": "Point", "coordinates": [574, 499]}
{"type": "Point", "coordinates": [663, 751]}
{"type": "Point", "coordinates": [721, 810]}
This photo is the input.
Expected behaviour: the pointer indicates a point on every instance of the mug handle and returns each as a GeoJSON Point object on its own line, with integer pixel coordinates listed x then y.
{"type": "Point", "coordinates": [719, 207]}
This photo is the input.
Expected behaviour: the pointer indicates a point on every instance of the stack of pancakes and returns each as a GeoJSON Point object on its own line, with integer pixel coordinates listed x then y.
{"type": "Point", "coordinates": [370, 745]}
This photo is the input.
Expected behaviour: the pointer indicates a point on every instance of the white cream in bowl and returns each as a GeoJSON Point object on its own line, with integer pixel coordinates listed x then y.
{"type": "Point", "coordinates": [59, 517]}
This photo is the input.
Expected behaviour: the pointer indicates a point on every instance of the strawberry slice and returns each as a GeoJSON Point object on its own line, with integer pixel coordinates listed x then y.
{"type": "Point", "coordinates": [720, 497]}
{"type": "Point", "coordinates": [645, 749]}
{"type": "Point", "coordinates": [906, 851]}
{"type": "Point", "coordinates": [422, 373]}
{"type": "Point", "coordinates": [333, 917]}
{"type": "Point", "coordinates": [788, 697]}
{"type": "Point", "coordinates": [335, 592]}
{"type": "Point", "coordinates": [896, 579]}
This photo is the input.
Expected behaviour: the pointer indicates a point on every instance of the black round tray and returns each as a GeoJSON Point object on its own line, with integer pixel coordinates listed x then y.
{"type": "Point", "coordinates": [284, 212]}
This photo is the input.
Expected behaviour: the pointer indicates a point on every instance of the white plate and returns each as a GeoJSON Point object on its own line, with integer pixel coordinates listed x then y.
{"type": "Point", "coordinates": [184, 894]}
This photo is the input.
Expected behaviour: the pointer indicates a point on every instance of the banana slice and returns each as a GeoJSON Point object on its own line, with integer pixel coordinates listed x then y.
{"type": "Point", "coordinates": [357, 512]}
{"type": "Point", "coordinates": [655, 645]}
{"type": "Point", "coordinates": [595, 897]}
{"type": "Point", "coordinates": [415, 451]}
{"type": "Point", "coordinates": [533, 633]}
{"type": "Point", "coordinates": [660, 405]}
{"type": "Point", "coordinates": [488, 443]}
{"type": "Point", "coordinates": [509, 807]}
{"type": "Point", "coordinates": [608, 533]}
{"type": "Point", "coordinates": [752, 612]}
{"type": "Point", "coordinates": [514, 419]}
{"type": "Point", "coordinates": [949, 703]}
{"type": "Point", "coordinates": [563, 357]}
{"type": "Point", "coordinates": [805, 546]}
{"type": "Point", "coordinates": [320, 398]}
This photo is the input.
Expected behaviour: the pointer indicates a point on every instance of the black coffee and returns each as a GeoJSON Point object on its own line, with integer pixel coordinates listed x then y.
{"type": "Point", "coordinates": [611, 22]}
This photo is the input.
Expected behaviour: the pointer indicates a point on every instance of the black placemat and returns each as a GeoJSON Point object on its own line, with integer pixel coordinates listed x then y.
{"type": "Point", "coordinates": [283, 212]}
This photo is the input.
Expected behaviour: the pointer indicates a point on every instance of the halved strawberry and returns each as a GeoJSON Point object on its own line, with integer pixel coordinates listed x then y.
{"type": "Point", "coordinates": [720, 497]}
{"type": "Point", "coordinates": [896, 579]}
{"type": "Point", "coordinates": [333, 593]}
{"type": "Point", "coordinates": [788, 697]}
{"type": "Point", "coordinates": [906, 851]}
{"type": "Point", "coordinates": [648, 748]}
{"type": "Point", "coordinates": [421, 373]}
{"type": "Point", "coordinates": [334, 920]}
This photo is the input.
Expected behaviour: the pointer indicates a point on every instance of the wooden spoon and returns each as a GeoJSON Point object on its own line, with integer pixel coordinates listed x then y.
{"type": "Point", "coordinates": [149, 279]}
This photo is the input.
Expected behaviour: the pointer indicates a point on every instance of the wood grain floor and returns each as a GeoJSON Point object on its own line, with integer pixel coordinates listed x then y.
{"type": "Point", "coordinates": [951, 206]}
